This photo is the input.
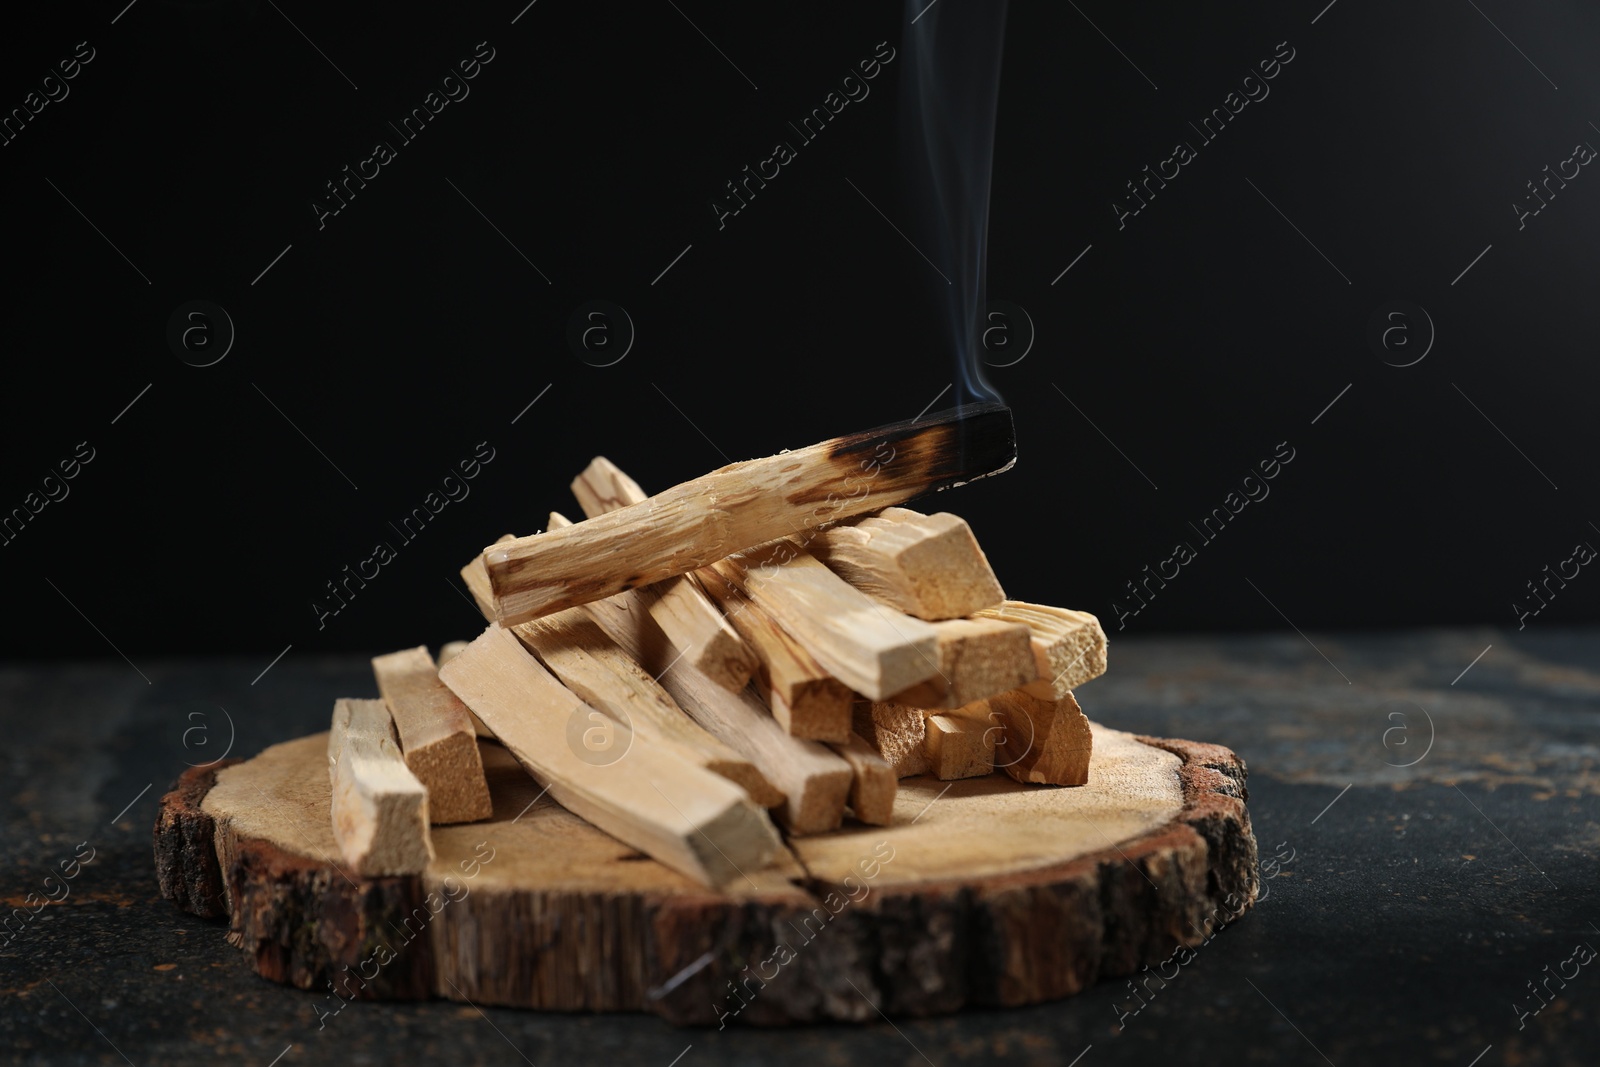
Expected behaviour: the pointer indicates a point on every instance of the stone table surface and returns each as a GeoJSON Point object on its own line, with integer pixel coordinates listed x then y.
{"type": "Point", "coordinates": [1429, 840]}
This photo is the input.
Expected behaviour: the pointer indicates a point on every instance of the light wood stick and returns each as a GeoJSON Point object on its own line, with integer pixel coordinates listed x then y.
{"type": "Point", "coordinates": [872, 648]}
{"type": "Point", "coordinates": [873, 789]}
{"type": "Point", "coordinates": [679, 606]}
{"type": "Point", "coordinates": [379, 809]}
{"type": "Point", "coordinates": [436, 735]}
{"type": "Point", "coordinates": [476, 575]}
{"type": "Point", "coordinates": [805, 699]}
{"type": "Point", "coordinates": [977, 658]}
{"type": "Point", "coordinates": [960, 745]}
{"type": "Point", "coordinates": [744, 505]}
{"type": "Point", "coordinates": [897, 732]}
{"type": "Point", "coordinates": [1042, 740]}
{"type": "Point", "coordinates": [575, 650]}
{"type": "Point", "coordinates": [693, 821]}
{"type": "Point", "coordinates": [815, 782]}
{"type": "Point", "coordinates": [1070, 646]}
{"type": "Point", "coordinates": [929, 566]}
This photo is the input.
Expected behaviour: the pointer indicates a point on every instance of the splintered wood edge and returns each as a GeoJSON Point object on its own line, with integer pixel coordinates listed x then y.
{"type": "Point", "coordinates": [1004, 940]}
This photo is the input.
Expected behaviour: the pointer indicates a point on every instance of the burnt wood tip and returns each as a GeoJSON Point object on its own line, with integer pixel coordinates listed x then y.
{"type": "Point", "coordinates": [956, 445]}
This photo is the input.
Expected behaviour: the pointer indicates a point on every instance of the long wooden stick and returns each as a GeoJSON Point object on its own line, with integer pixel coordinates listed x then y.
{"type": "Point", "coordinates": [746, 504]}
{"type": "Point", "coordinates": [959, 745]}
{"type": "Point", "coordinates": [593, 666]}
{"type": "Point", "coordinates": [648, 797]}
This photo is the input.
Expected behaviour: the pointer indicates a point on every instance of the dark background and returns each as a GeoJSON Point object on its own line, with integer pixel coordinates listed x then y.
{"type": "Point", "coordinates": [407, 330]}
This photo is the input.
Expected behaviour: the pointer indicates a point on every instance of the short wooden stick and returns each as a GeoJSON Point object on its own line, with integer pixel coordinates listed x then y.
{"type": "Point", "coordinates": [929, 566]}
{"type": "Point", "coordinates": [873, 789]}
{"type": "Point", "coordinates": [977, 658]}
{"type": "Point", "coordinates": [436, 735]}
{"type": "Point", "coordinates": [959, 745]}
{"type": "Point", "coordinates": [1047, 741]}
{"type": "Point", "coordinates": [896, 732]}
{"type": "Point", "coordinates": [379, 808]}
{"type": "Point", "coordinates": [1069, 646]}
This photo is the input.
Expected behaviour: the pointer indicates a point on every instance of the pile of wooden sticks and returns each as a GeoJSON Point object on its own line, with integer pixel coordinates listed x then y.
{"type": "Point", "coordinates": [675, 667]}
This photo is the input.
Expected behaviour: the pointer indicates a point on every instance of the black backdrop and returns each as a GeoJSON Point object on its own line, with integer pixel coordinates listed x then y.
{"type": "Point", "coordinates": [1185, 344]}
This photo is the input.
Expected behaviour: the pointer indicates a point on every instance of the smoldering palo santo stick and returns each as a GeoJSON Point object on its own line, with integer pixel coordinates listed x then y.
{"type": "Point", "coordinates": [743, 505]}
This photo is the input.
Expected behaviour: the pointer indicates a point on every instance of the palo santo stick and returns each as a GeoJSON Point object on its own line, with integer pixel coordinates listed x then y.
{"type": "Point", "coordinates": [436, 735]}
{"type": "Point", "coordinates": [873, 649]}
{"type": "Point", "coordinates": [744, 505]}
{"type": "Point", "coordinates": [603, 676]}
{"type": "Point", "coordinates": [897, 732]}
{"type": "Point", "coordinates": [873, 789]}
{"type": "Point", "coordinates": [805, 699]}
{"type": "Point", "coordinates": [1042, 740]}
{"type": "Point", "coordinates": [379, 809]}
{"type": "Point", "coordinates": [977, 658]}
{"type": "Point", "coordinates": [476, 575]}
{"type": "Point", "coordinates": [815, 782]}
{"type": "Point", "coordinates": [682, 610]}
{"type": "Point", "coordinates": [1070, 646]}
{"type": "Point", "coordinates": [959, 746]}
{"type": "Point", "coordinates": [447, 652]}
{"type": "Point", "coordinates": [684, 816]}
{"type": "Point", "coordinates": [929, 566]}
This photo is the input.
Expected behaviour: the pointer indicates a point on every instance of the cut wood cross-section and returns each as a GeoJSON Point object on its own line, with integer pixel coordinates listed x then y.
{"type": "Point", "coordinates": [959, 745]}
{"type": "Point", "coordinates": [977, 658]}
{"type": "Point", "coordinates": [1070, 646]}
{"type": "Point", "coordinates": [1045, 741]}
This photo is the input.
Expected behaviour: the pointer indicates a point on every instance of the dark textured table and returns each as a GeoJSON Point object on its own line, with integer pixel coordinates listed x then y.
{"type": "Point", "coordinates": [1410, 912]}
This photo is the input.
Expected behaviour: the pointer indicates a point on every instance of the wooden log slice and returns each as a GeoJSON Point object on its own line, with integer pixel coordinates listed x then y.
{"type": "Point", "coordinates": [982, 891]}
